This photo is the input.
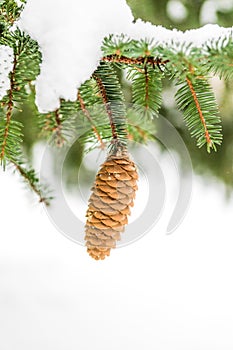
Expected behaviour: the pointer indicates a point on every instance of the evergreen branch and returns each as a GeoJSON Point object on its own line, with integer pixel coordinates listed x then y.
{"type": "Point", "coordinates": [146, 90]}
{"type": "Point", "coordinates": [57, 130]}
{"type": "Point", "coordinates": [10, 12]}
{"type": "Point", "coordinates": [112, 97]}
{"type": "Point", "coordinates": [220, 59]}
{"type": "Point", "coordinates": [53, 125]}
{"type": "Point", "coordinates": [45, 122]}
{"type": "Point", "coordinates": [202, 118]}
{"type": "Point", "coordinates": [107, 105]}
{"type": "Point", "coordinates": [28, 58]}
{"type": "Point", "coordinates": [31, 179]}
{"type": "Point", "coordinates": [88, 116]}
{"type": "Point", "coordinates": [153, 61]}
{"type": "Point", "coordinates": [10, 105]}
{"type": "Point", "coordinates": [90, 93]}
{"type": "Point", "coordinates": [195, 98]}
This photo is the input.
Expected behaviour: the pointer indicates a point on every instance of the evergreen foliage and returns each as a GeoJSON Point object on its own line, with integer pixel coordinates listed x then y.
{"type": "Point", "coordinates": [197, 102]}
{"type": "Point", "coordinates": [146, 90]}
{"type": "Point", "coordinates": [220, 58]}
{"type": "Point", "coordinates": [100, 112]}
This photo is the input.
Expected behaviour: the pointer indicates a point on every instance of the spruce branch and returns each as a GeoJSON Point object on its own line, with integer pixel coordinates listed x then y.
{"type": "Point", "coordinates": [32, 180]}
{"type": "Point", "coordinates": [10, 130]}
{"type": "Point", "coordinates": [52, 126]}
{"type": "Point", "coordinates": [130, 61]}
{"type": "Point", "coordinates": [10, 105]}
{"type": "Point", "coordinates": [220, 59]}
{"type": "Point", "coordinates": [10, 12]}
{"type": "Point", "coordinates": [146, 90]}
{"type": "Point", "coordinates": [113, 100]}
{"type": "Point", "coordinates": [107, 106]}
{"type": "Point", "coordinates": [195, 98]}
{"type": "Point", "coordinates": [89, 118]}
{"type": "Point", "coordinates": [57, 130]}
{"type": "Point", "coordinates": [45, 122]}
{"type": "Point", "coordinates": [57, 125]}
{"type": "Point", "coordinates": [199, 110]}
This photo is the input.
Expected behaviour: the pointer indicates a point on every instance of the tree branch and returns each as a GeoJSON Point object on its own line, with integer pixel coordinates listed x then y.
{"type": "Point", "coordinates": [58, 129]}
{"type": "Point", "coordinates": [87, 115]}
{"type": "Point", "coordinates": [32, 184]}
{"type": "Point", "coordinates": [147, 88]}
{"type": "Point", "coordinates": [10, 106]}
{"type": "Point", "coordinates": [154, 61]}
{"type": "Point", "coordinates": [106, 104]}
{"type": "Point", "coordinates": [202, 118]}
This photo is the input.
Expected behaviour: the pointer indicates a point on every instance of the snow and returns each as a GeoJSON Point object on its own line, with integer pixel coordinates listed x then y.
{"type": "Point", "coordinates": [70, 40]}
{"type": "Point", "coordinates": [6, 65]}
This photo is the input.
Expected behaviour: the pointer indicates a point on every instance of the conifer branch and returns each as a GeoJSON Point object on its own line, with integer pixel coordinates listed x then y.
{"type": "Point", "coordinates": [202, 118]}
{"type": "Point", "coordinates": [153, 61]}
{"type": "Point", "coordinates": [220, 59]}
{"type": "Point", "coordinates": [146, 88]}
{"type": "Point", "coordinates": [106, 104]}
{"type": "Point", "coordinates": [113, 100]}
{"type": "Point", "coordinates": [51, 124]}
{"type": "Point", "coordinates": [30, 178]}
{"type": "Point", "coordinates": [196, 100]}
{"type": "Point", "coordinates": [47, 121]}
{"type": "Point", "coordinates": [10, 105]}
{"type": "Point", "coordinates": [10, 11]}
{"type": "Point", "coordinates": [88, 116]}
{"type": "Point", "coordinates": [58, 129]}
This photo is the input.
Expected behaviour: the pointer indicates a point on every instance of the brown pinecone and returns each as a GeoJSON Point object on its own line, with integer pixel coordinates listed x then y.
{"type": "Point", "coordinates": [112, 196]}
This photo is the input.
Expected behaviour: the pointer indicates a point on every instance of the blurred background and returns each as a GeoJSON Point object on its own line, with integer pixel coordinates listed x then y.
{"type": "Point", "coordinates": [162, 292]}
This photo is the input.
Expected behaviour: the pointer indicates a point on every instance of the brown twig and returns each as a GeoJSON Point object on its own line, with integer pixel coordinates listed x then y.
{"type": "Point", "coordinates": [202, 118]}
{"type": "Point", "coordinates": [147, 78]}
{"type": "Point", "coordinates": [37, 191]}
{"type": "Point", "coordinates": [154, 61]}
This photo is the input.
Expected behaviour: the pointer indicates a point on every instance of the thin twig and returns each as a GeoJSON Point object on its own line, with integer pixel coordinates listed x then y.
{"type": "Point", "coordinates": [147, 87]}
{"type": "Point", "coordinates": [154, 61]}
{"type": "Point", "coordinates": [88, 116]}
{"type": "Point", "coordinates": [202, 118]}
{"type": "Point", "coordinates": [37, 191]}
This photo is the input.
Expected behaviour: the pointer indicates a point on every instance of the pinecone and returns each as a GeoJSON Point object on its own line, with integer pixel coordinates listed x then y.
{"type": "Point", "coordinates": [112, 196]}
